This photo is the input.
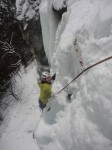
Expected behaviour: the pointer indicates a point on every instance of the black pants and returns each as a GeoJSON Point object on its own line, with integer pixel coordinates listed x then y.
{"type": "Point", "coordinates": [41, 105]}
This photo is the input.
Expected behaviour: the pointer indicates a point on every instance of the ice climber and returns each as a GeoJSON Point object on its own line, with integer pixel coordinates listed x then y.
{"type": "Point", "coordinates": [45, 89]}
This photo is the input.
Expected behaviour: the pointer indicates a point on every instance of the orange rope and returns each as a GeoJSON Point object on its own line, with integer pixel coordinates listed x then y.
{"type": "Point", "coordinates": [108, 58]}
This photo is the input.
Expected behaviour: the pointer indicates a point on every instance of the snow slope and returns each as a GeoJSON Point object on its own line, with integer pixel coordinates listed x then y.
{"type": "Point", "coordinates": [21, 117]}
{"type": "Point", "coordinates": [86, 122]}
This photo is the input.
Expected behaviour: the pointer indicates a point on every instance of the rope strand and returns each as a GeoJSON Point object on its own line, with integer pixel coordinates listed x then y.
{"type": "Point", "coordinates": [108, 58]}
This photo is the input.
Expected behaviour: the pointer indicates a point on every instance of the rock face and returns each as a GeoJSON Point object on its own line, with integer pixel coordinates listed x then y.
{"type": "Point", "coordinates": [27, 11]}
{"type": "Point", "coordinates": [13, 48]}
{"type": "Point", "coordinates": [20, 38]}
{"type": "Point", "coordinates": [33, 37]}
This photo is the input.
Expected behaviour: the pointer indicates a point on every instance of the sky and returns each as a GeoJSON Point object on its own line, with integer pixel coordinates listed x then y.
{"type": "Point", "coordinates": [85, 122]}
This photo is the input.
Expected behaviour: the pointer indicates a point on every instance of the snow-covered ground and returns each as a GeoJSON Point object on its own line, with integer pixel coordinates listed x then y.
{"type": "Point", "coordinates": [16, 132]}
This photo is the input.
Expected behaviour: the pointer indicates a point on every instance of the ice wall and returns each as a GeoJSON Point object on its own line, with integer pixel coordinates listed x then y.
{"type": "Point", "coordinates": [49, 23]}
{"type": "Point", "coordinates": [58, 49]}
{"type": "Point", "coordinates": [85, 123]}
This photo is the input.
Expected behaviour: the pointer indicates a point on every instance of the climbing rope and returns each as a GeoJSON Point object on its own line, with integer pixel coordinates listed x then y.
{"type": "Point", "coordinates": [95, 64]}
{"type": "Point", "coordinates": [99, 62]}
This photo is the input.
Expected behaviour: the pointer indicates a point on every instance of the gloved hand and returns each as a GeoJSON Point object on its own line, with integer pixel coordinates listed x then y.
{"type": "Point", "coordinates": [54, 76]}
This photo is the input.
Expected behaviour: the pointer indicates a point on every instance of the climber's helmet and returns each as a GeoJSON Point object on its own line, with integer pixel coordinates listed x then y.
{"type": "Point", "coordinates": [45, 75]}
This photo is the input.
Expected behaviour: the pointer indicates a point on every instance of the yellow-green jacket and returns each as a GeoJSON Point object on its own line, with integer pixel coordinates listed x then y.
{"type": "Point", "coordinates": [45, 92]}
